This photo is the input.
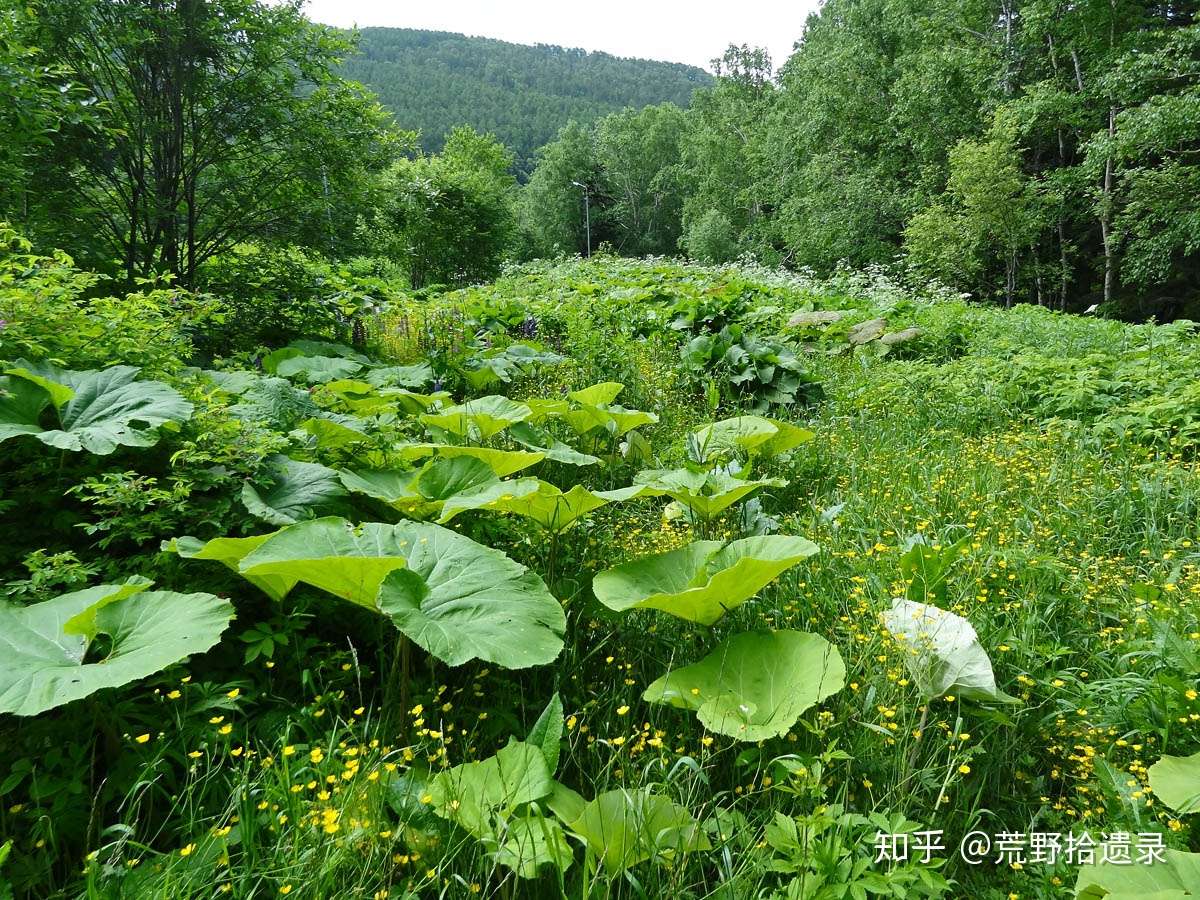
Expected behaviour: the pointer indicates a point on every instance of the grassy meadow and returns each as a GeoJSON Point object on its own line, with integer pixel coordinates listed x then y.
{"type": "Point", "coordinates": [1030, 472]}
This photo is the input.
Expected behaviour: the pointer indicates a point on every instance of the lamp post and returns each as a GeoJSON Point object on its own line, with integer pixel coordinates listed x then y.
{"type": "Point", "coordinates": [587, 215]}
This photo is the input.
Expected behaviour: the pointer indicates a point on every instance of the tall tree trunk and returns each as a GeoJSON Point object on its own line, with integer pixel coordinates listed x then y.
{"type": "Point", "coordinates": [1106, 212]}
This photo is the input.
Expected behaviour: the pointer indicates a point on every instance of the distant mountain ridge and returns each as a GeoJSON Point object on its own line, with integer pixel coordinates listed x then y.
{"type": "Point", "coordinates": [434, 80]}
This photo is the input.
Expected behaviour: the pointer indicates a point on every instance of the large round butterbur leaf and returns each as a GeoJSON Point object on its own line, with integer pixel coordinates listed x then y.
{"type": "Point", "coordinates": [702, 581]}
{"type": "Point", "coordinates": [423, 493]}
{"type": "Point", "coordinates": [460, 600]}
{"type": "Point", "coordinates": [397, 489]}
{"type": "Point", "coordinates": [490, 799]}
{"type": "Point", "coordinates": [1174, 875]}
{"type": "Point", "coordinates": [317, 369]}
{"type": "Point", "coordinates": [414, 376]}
{"type": "Point", "coordinates": [414, 403]}
{"type": "Point", "coordinates": [480, 795]}
{"type": "Point", "coordinates": [441, 479]}
{"type": "Point", "coordinates": [598, 394]}
{"type": "Point", "coordinates": [1175, 781]}
{"type": "Point", "coordinates": [479, 419]}
{"type": "Point", "coordinates": [332, 431]}
{"type": "Point", "coordinates": [230, 551]}
{"type": "Point", "coordinates": [97, 411]}
{"type": "Point", "coordinates": [44, 648]}
{"type": "Point", "coordinates": [501, 462]}
{"type": "Point", "coordinates": [333, 555]}
{"type": "Point", "coordinates": [21, 406]}
{"type": "Point", "coordinates": [755, 686]}
{"type": "Point", "coordinates": [550, 507]}
{"type": "Point", "coordinates": [624, 828]}
{"type": "Point", "coordinates": [754, 435]}
{"type": "Point", "coordinates": [616, 420]}
{"type": "Point", "coordinates": [532, 438]}
{"type": "Point", "coordinates": [297, 491]}
{"type": "Point", "coordinates": [705, 493]}
{"type": "Point", "coordinates": [942, 652]}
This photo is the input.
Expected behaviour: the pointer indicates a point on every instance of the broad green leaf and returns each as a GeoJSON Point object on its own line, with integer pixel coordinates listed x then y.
{"type": "Point", "coordinates": [229, 552]}
{"type": "Point", "coordinates": [423, 492]}
{"type": "Point", "coordinates": [555, 451]}
{"type": "Point", "coordinates": [498, 495]}
{"type": "Point", "coordinates": [528, 843]}
{"type": "Point", "coordinates": [616, 420]}
{"type": "Point", "coordinates": [397, 489]}
{"type": "Point", "coordinates": [1175, 876]}
{"type": "Point", "coordinates": [413, 403]}
{"type": "Point", "coordinates": [702, 581]}
{"type": "Point", "coordinates": [479, 795]}
{"type": "Point", "coordinates": [565, 803]}
{"type": "Point", "coordinates": [359, 397]}
{"type": "Point", "coordinates": [479, 419]}
{"type": "Point", "coordinates": [97, 411]}
{"type": "Point", "coordinates": [755, 685]}
{"type": "Point", "coordinates": [623, 828]}
{"type": "Point", "coordinates": [21, 405]}
{"type": "Point", "coordinates": [543, 408]}
{"type": "Point", "coordinates": [942, 652]}
{"type": "Point", "coordinates": [317, 369]}
{"type": "Point", "coordinates": [598, 394]}
{"type": "Point", "coordinates": [460, 600]}
{"type": "Point", "coordinates": [332, 431]}
{"type": "Point", "coordinates": [271, 361]}
{"type": "Point", "coordinates": [551, 508]}
{"type": "Point", "coordinates": [276, 402]}
{"type": "Point", "coordinates": [502, 462]}
{"type": "Point", "coordinates": [299, 490]}
{"type": "Point", "coordinates": [441, 479]}
{"type": "Point", "coordinates": [44, 665]}
{"type": "Point", "coordinates": [415, 376]}
{"type": "Point", "coordinates": [705, 493]}
{"type": "Point", "coordinates": [1175, 780]}
{"type": "Point", "coordinates": [750, 434]}
{"type": "Point", "coordinates": [331, 554]}
{"type": "Point", "coordinates": [234, 383]}
{"type": "Point", "coordinates": [546, 732]}
{"type": "Point", "coordinates": [326, 348]}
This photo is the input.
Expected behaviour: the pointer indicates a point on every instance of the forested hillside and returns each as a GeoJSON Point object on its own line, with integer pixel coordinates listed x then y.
{"type": "Point", "coordinates": [434, 81]}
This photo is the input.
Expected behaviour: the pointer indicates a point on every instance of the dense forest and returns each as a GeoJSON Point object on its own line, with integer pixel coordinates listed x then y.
{"type": "Point", "coordinates": [822, 534]}
{"type": "Point", "coordinates": [1022, 151]}
{"type": "Point", "coordinates": [434, 81]}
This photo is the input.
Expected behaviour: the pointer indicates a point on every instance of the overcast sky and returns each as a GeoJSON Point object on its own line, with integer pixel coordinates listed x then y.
{"type": "Point", "coordinates": [688, 31]}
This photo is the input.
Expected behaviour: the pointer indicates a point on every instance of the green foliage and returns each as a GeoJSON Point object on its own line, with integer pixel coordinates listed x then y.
{"type": "Point", "coordinates": [623, 828]}
{"type": "Point", "coordinates": [755, 685]}
{"type": "Point", "coordinates": [95, 411]}
{"type": "Point", "coordinates": [703, 581]}
{"type": "Point", "coordinates": [711, 239]}
{"type": "Point", "coordinates": [1175, 780]}
{"type": "Point", "coordinates": [223, 122]}
{"type": "Point", "coordinates": [274, 294]}
{"type": "Point", "coordinates": [1028, 472]}
{"type": "Point", "coordinates": [51, 311]}
{"type": "Point", "coordinates": [46, 663]}
{"type": "Point", "coordinates": [449, 218]}
{"type": "Point", "coordinates": [757, 372]}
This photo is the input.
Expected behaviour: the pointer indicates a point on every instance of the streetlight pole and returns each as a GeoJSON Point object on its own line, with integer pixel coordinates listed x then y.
{"type": "Point", "coordinates": [587, 215]}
